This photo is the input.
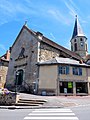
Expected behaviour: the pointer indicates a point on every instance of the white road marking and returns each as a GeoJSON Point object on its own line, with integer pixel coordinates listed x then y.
{"type": "Point", "coordinates": [52, 110]}
{"type": "Point", "coordinates": [51, 118]}
{"type": "Point", "coordinates": [41, 114]}
{"type": "Point", "coordinates": [51, 114]}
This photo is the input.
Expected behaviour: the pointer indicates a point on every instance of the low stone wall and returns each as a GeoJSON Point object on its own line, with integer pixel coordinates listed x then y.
{"type": "Point", "coordinates": [8, 99]}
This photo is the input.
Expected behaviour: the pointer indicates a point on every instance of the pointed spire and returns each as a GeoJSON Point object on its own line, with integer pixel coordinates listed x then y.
{"type": "Point", "coordinates": [77, 29]}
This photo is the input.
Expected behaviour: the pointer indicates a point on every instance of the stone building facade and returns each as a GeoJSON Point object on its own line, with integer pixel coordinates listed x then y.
{"type": "Point", "coordinates": [4, 61]}
{"type": "Point", "coordinates": [29, 48]}
{"type": "Point", "coordinates": [64, 76]}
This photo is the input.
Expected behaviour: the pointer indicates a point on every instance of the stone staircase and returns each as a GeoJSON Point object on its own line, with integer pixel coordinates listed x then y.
{"type": "Point", "coordinates": [30, 102]}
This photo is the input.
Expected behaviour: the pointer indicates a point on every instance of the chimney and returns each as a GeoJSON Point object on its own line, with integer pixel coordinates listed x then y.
{"type": "Point", "coordinates": [39, 35]}
{"type": "Point", "coordinates": [8, 54]}
{"type": "Point", "coordinates": [10, 48]}
{"type": "Point", "coordinates": [81, 61]}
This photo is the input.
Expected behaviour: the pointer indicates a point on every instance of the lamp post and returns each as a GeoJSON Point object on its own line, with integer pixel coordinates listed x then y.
{"type": "Point", "coordinates": [58, 89]}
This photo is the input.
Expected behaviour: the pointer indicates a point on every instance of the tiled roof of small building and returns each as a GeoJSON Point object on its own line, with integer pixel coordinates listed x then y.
{"type": "Point", "coordinates": [60, 60]}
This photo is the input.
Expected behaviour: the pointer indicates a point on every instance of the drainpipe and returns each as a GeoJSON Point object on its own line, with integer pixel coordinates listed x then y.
{"type": "Point", "coordinates": [74, 88]}
{"type": "Point", "coordinates": [17, 74]}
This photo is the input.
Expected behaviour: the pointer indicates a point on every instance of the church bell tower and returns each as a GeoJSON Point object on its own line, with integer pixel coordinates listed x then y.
{"type": "Point", "coordinates": [79, 40]}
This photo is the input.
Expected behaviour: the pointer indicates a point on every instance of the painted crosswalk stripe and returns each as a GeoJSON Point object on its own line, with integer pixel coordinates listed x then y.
{"type": "Point", "coordinates": [48, 114]}
{"type": "Point", "coordinates": [51, 118]}
{"type": "Point", "coordinates": [51, 114]}
{"type": "Point", "coordinates": [51, 110]}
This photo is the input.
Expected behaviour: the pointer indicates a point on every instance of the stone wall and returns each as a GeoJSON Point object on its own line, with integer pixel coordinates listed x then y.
{"type": "Point", "coordinates": [3, 73]}
{"type": "Point", "coordinates": [7, 99]}
{"type": "Point", "coordinates": [27, 63]}
{"type": "Point", "coordinates": [47, 52]}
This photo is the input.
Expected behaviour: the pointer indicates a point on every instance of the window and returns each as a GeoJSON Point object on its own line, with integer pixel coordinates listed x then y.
{"type": "Point", "coordinates": [75, 40]}
{"type": "Point", "coordinates": [75, 46]}
{"type": "Point", "coordinates": [19, 77]}
{"type": "Point", "coordinates": [63, 69]}
{"type": "Point", "coordinates": [77, 71]}
{"type": "Point", "coordinates": [71, 47]}
{"type": "Point", "coordinates": [86, 47]}
{"type": "Point", "coordinates": [81, 42]}
{"type": "Point", "coordinates": [81, 39]}
{"type": "Point", "coordinates": [66, 87]}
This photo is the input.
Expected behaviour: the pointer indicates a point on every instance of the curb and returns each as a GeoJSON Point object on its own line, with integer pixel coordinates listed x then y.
{"type": "Point", "coordinates": [19, 107]}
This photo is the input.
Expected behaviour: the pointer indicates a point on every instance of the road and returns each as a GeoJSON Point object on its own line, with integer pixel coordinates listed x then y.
{"type": "Point", "coordinates": [13, 114]}
{"type": "Point", "coordinates": [73, 113]}
{"type": "Point", "coordinates": [82, 112]}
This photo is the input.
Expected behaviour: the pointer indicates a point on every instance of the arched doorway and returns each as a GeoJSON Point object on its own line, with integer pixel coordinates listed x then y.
{"type": "Point", "coordinates": [19, 77]}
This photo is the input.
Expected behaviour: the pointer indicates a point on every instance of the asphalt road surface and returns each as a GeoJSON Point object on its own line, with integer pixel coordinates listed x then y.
{"type": "Point", "coordinates": [73, 113]}
{"type": "Point", "coordinates": [13, 114]}
{"type": "Point", "coordinates": [82, 112]}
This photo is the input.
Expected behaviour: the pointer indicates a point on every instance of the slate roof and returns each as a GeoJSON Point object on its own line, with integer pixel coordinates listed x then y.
{"type": "Point", "coordinates": [60, 60]}
{"type": "Point", "coordinates": [51, 43]}
{"type": "Point", "coordinates": [77, 29]}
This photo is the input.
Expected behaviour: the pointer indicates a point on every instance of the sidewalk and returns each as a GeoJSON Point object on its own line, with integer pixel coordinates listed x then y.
{"type": "Point", "coordinates": [52, 101]}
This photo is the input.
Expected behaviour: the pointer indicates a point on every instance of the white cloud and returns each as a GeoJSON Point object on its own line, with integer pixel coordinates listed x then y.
{"type": "Point", "coordinates": [14, 10]}
{"type": "Point", "coordinates": [74, 5]}
{"type": "Point", "coordinates": [53, 37]}
{"type": "Point", "coordinates": [71, 9]}
{"type": "Point", "coordinates": [74, 10]}
{"type": "Point", "coordinates": [21, 10]}
{"type": "Point", "coordinates": [56, 14]}
{"type": "Point", "coordinates": [68, 45]}
{"type": "Point", "coordinates": [2, 47]}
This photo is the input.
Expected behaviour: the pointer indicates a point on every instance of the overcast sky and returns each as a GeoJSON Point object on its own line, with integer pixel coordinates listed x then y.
{"type": "Point", "coordinates": [54, 18]}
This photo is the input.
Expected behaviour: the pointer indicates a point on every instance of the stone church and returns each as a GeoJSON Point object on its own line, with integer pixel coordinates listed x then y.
{"type": "Point", "coordinates": [31, 48]}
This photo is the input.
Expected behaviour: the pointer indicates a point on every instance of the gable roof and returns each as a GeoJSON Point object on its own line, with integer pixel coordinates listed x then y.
{"type": "Point", "coordinates": [50, 42]}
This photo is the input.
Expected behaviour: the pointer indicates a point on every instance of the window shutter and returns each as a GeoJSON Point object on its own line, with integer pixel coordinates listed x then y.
{"type": "Point", "coordinates": [59, 69]}
{"type": "Point", "coordinates": [80, 71]}
{"type": "Point", "coordinates": [73, 71]}
{"type": "Point", "coordinates": [67, 69]}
